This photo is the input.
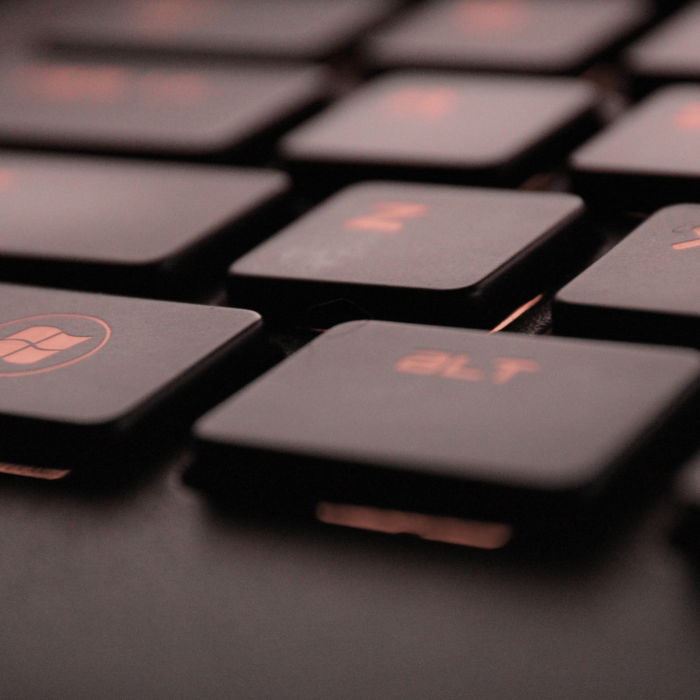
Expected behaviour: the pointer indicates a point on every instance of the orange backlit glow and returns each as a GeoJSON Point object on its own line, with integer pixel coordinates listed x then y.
{"type": "Point", "coordinates": [694, 243]}
{"type": "Point", "coordinates": [166, 16]}
{"type": "Point", "coordinates": [506, 368]}
{"type": "Point", "coordinates": [445, 364]}
{"type": "Point", "coordinates": [424, 362]}
{"type": "Point", "coordinates": [33, 472]}
{"type": "Point", "coordinates": [63, 83]}
{"type": "Point", "coordinates": [688, 118]}
{"type": "Point", "coordinates": [388, 217]}
{"type": "Point", "coordinates": [456, 368]}
{"type": "Point", "coordinates": [428, 103]}
{"type": "Point", "coordinates": [468, 533]}
{"type": "Point", "coordinates": [36, 344]}
{"type": "Point", "coordinates": [516, 314]}
{"type": "Point", "coordinates": [108, 85]}
{"type": "Point", "coordinates": [492, 16]}
{"type": "Point", "coordinates": [39, 344]}
{"type": "Point", "coordinates": [7, 177]}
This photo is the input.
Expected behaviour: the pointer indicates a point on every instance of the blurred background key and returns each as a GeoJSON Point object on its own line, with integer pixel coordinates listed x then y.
{"type": "Point", "coordinates": [650, 157]}
{"type": "Point", "coordinates": [440, 127]}
{"type": "Point", "coordinates": [287, 29]}
{"type": "Point", "coordinates": [532, 36]}
{"type": "Point", "coordinates": [671, 52]}
{"type": "Point", "coordinates": [192, 111]}
{"type": "Point", "coordinates": [140, 228]}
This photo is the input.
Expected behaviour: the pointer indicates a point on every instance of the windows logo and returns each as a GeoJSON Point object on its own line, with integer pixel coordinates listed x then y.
{"type": "Point", "coordinates": [43, 343]}
{"type": "Point", "coordinates": [35, 344]}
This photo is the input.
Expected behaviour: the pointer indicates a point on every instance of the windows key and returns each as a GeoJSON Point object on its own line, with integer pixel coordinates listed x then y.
{"type": "Point", "coordinates": [87, 379]}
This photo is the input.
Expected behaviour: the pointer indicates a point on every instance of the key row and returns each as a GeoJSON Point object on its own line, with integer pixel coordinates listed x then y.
{"type": "Point", "coordinates": [420, 253]}
{"type": "Point", "coordinates": [460, 127]}
{"type": "Point", "coordinates": [368, 420]}
{"type": "Point", "coordinates": [423, 126]}
{"type": "Point", "coordinates": [540, 36]}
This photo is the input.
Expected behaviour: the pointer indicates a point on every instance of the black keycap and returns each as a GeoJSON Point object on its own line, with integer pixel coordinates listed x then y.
{"type": "Point", "coordinates": [183, 111]}
{"type": "Point", "coordinates": [668, 53]}
{"type": "Point", "coordinates": [646, 289]}
{"type": "Point", "coordinates": [439, 127]}
{"type": "Point", "coordinates": [461, 424]}
{"type": "Point", "coordinates": [687, 494]}
{"type": "Point", "coordinates": [86, 379]}
{"type": "Point", "coordinates": [423, 253]}
{"type": "Point", "coordinates": [648, 158]}
{"type": "Point", "coordinates": [132, 228]}
{"type": "Point", "coordinates": [297, 29]}
{"type": "Point", "coordinates": [537, 36]}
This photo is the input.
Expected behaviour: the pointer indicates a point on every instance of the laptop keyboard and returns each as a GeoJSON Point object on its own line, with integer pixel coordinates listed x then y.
{"type": "Point", "coordinates": [349, 349]}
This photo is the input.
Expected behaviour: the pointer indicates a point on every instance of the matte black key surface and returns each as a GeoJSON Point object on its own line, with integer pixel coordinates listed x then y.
{"type": "Point", "coordinates": [185, 111]}
{"type": "Point", "coordinates": [85, 377]}
{"type": "Point", "coordinates": [128, 227]}
{"type": "Point", "coordinates": [646, 289]}
{"type": "Point", "coordinates": [669, 52]}
{"type": "Point", "coordinates": [434, 126]}
{"type": "Point", "coordinates": [649, 157]}
{"type": "Point", "coordinates": [545, 36]}
{"type": "Point", "coordinates": [298, 29]}
{"type": "Point", "coordinates": [430, 253]}
{"type": "Point", "coordinates": [446, 422]}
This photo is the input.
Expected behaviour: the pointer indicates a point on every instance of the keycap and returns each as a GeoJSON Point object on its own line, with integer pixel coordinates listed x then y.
{"type": "Point", "coordinates": [163, 110]}
{"type": "Point", "coordinates": [505, 429]}
{"type": "Point", "coordinates": [290, 29]}
{"type": "Point", "coordinates": [669, 52]}
{"type": "Point", "coordinates": [534, 36]}
{"type": "Point", "coordinates": [687, 497]}
{"type": "Point", "coordinates": [140, 228]}
{"type": "Point", "coordinates": [646, 289]}
{"type": "Point", "coordinates": [86, 380]}
{"type": "Point", "coordinates": [422, 253]}
{"type": "Point", "coordinates": [439, 127]}
{"type": "Point", "coordinates": [646, 159]}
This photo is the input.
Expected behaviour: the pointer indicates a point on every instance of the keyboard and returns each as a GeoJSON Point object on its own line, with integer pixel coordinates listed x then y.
{"type": "Point", "coordinates": [349, 349]}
